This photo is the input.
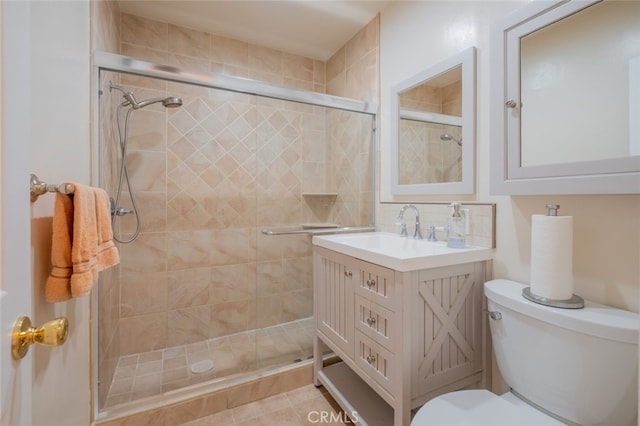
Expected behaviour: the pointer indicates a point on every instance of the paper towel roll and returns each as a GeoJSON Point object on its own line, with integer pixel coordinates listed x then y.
{"type": "Point", "coordinates": [552, 256]}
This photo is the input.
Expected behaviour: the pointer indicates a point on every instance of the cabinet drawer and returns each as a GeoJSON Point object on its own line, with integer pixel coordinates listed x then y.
{"type": "Point", "coordinates": [377, 322]}
{"type": "Point", "coordinates": [378, 284]}
{"type": "Point", "coordinates": [376, 362]}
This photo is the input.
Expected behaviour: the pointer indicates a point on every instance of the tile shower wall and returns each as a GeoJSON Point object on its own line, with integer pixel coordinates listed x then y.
{"type": "Point", "coordinates": [191, 273]}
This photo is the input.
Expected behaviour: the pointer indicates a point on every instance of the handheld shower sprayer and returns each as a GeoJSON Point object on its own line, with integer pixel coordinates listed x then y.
{"type": "Point", "coordinates": [131, 104]}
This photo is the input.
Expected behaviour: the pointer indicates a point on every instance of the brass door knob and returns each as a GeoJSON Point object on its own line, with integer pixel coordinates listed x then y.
{"type": "Point", "coordinates": [52, 333]}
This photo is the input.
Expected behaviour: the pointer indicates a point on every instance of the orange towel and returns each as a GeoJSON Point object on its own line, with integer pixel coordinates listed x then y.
{"type": "Point", "coordinates": [107, 252]}
{"type": "Point", "coordinates": [57, 288]}
{"type": "Point", "coordinates": [82, 243]}
{"type": "Point", "coordinates": [84, 246]}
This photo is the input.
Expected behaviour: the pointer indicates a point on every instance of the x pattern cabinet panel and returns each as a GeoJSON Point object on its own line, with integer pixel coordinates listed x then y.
{"type": "Point", "coordinates": [409, 336]}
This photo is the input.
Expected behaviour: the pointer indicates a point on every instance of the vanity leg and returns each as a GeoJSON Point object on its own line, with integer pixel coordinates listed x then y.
{"type": "Point", "coordinates": [317, 360]}
{"type": "Point", "coordinates": [401, 416]}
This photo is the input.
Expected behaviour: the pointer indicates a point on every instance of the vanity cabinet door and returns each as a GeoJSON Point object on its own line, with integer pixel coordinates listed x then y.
{"type": "Point", "coordinates": [335, 277]}
{"type": "Point", "coordinates": [447, 313]}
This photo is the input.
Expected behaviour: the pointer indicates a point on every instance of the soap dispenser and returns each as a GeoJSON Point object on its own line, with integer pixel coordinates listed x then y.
{"type": "Point", "coordinates": [456, 228]}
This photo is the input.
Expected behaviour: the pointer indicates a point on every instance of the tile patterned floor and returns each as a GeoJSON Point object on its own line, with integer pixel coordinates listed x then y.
{"type": "Point", "coordinates": [152, 373]}
{"type": "Point", "coordinates": [304, 406]}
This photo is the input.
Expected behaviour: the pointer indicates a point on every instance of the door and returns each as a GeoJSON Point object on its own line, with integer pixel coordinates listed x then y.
{"type": "Point", "coordinates": [15, 256]}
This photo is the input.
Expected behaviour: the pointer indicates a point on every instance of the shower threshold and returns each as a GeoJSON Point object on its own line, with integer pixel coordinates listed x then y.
{"type": "Point", "coordinates": [148, 374]}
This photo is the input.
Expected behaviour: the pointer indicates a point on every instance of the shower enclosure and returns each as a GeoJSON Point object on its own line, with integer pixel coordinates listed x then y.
{"type": "Point", "coordinates": [218, 283]}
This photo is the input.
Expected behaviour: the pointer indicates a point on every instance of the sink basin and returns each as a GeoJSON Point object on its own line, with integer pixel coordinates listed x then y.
{"type": "Point", "coordinates": [400, 253]}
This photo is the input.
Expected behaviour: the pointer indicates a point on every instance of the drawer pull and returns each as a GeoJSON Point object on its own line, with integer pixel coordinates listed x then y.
{"type": "Point", "coordinates": [348, 273]}
{"type": "Point", "coordinates": [370, 321]}
{"type": "Point", "coordinates": [371, 283]}
{"type": "Point", "coordinates": [371, 359]}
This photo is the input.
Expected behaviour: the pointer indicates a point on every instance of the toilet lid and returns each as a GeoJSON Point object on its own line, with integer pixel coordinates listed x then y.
{"type": "Point", "coordinates": [478, 408]}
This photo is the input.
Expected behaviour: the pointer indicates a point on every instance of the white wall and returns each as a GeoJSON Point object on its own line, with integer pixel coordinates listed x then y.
{"type": "Point", "coordinates": [416, 35]}
{"type": "Point", "coordinates": [60, 152]}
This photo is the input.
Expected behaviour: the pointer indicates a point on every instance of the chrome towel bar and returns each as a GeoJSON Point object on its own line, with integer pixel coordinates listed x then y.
{"type": "Point", "coordinates": [39, 187]}
{"type": "Point", "coordinates": [317, 231]}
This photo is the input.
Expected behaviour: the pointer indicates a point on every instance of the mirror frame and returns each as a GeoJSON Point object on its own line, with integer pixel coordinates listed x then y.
{"type": "Point", "coordinates": [467, 60]}
{"type": "Point", "coordinates": [508, 177]}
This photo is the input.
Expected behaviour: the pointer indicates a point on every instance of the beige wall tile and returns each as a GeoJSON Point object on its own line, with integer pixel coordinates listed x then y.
{"type": "Point", "coordinates": [230, 317]}
{"type": "Point", "coordinates": [297, 304]}
{"type": "Point", "coordinates": [143, 293]}
{"type": "Point", "coordinates": [144, 32]}
{"type": "Point", "coordinates": [363, 43]}
{"type": "Point", "coordinates": [229, 246]}
{"type": "Point", "coordinates": [185, 41]}
{"type": "Point", "coordinates": [336, 64]}
{"type": "Point", "coordinates": [265, 60]}
{"type": "Point", "coordinates": [298, 67]}
{"type": "Point", "coordinates": [269, 310]}
{"type": "Point", "coordinates": [229, 52]}
{"type": "Point", "coordinates": [188, 325]}
{"type": "Point", "coordinates": [188, 249]}
{"type": "Point", "coordinates": [147, 170]}
{"type": "Point", "coordinates": [146, 254]}
{"type": "Point", "coordinates": [143, 333]}
{"type": "Point", "coordinates": [189, 287]}
{"type": "Point", "coordinates": [319, 72]}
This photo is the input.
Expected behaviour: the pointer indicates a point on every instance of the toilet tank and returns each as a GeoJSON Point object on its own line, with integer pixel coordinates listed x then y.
{"type": "Point", "coordinates": [578, 364]}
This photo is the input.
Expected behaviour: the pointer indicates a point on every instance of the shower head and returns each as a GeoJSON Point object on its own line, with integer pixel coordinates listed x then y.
{"type": "Point", "coordinates": [170, 102]}
{"type": "Point", "coordinates": [448, 137]}
{"type": "Point", "coordinates": [130, 99]}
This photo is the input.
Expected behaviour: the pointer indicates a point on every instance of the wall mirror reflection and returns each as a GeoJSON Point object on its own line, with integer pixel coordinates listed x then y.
{"type": "Point", "coordinates": [565, 96]}
{"type": "Point", "coordinates": [433, 134]}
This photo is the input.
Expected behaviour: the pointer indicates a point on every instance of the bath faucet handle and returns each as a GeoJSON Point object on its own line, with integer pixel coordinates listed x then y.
{"type": "Point", "coordinates": [432, 234]}
{"type": "Point", "coordinates": [403, 230]}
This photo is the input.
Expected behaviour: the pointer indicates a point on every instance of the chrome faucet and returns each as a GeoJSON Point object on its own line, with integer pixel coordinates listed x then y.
{"type": "Point", "coordinates": [416, 234]}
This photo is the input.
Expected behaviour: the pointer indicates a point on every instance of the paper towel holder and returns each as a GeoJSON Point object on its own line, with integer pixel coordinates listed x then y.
{"type": "Point", "coordinates": [575, 302]}
{"type": "Point", "coordinates": [552, 209]}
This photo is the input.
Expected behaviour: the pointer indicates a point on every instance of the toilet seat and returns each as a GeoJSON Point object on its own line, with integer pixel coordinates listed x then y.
{"type": "Point", "coordinates": [479, 408]}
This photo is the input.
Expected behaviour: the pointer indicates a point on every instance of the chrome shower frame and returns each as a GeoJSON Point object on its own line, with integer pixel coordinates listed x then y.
{"type": "Point", "coordinates": [103, 61]}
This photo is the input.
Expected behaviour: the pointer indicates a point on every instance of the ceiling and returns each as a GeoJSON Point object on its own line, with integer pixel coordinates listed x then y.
{"type": "Point", "coordinates": [312, 28]}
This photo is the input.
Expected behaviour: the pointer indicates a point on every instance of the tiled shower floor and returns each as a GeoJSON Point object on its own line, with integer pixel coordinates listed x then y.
{"type": "Point", "coordinates": [152, 373]}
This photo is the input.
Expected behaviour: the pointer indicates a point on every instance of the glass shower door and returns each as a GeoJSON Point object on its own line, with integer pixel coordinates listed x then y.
{"type": "Point", "coordinates": [314, 170]}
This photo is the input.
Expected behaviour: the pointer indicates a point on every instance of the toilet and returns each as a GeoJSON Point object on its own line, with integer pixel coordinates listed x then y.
{"type": "Point", "coordinates": [564, 367]}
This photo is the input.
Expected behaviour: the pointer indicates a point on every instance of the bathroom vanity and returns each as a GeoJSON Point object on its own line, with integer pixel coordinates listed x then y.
{"type": "Point", "coordinates": [405, 318]}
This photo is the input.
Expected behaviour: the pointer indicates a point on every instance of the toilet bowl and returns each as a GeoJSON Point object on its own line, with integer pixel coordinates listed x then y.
{"type": "Point", "coordinates": [564, 367]}
{"type": "Point", "coordinates": [481, 407]}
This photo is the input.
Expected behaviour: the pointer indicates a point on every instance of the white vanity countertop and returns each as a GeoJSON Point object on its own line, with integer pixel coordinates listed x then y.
{"type": "Point", "coordinates": [400, 253]}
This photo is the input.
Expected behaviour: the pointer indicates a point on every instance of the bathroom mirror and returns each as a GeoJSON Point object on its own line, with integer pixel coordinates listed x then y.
{"type": "Point", "coordinates": [565, 96]}
{"type": "Point", "coordinates": [433, 129]}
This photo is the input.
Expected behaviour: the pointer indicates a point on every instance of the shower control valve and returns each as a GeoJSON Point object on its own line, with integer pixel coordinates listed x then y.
{"type": "Point", "coordinates": [121, 211]}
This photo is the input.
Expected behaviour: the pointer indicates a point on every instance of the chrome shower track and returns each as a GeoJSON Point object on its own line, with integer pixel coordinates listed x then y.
{"type": "Point", "coordinates": [126, 64]}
